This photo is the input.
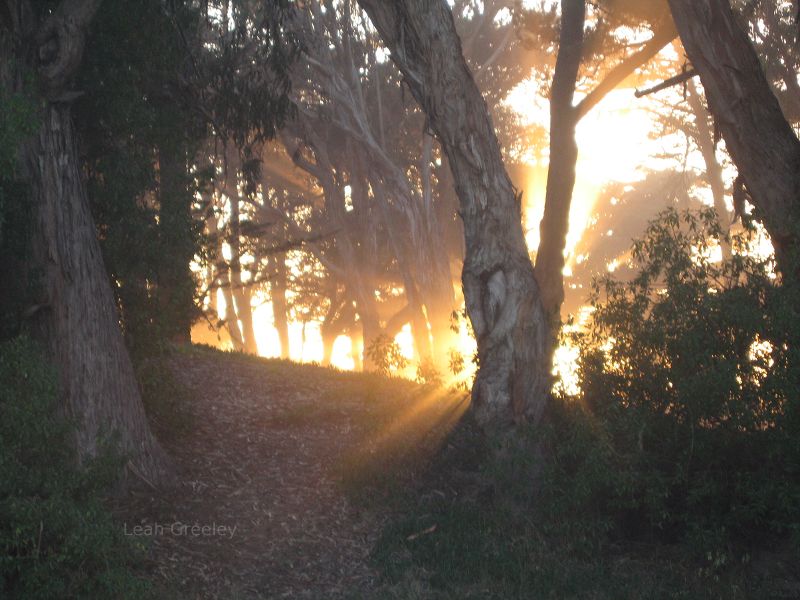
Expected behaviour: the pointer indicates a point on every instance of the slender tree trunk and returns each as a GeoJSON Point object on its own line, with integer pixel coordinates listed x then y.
{"type": "Point", "coordinates": [500, 289]}
{"type": "Point", "coordinates": [80, 323]}
{"type": "Point", "coordinates": [357, 349]}
{"type": "Point", "coordinates": [241, 292]}
{"type": "Point", "coordinates": [705, 142]}
{"type": "Point", "coordinates": [563, 158]}
{"type": "Point", "coordinates": [277, 284]}
{"type": "Point", "coordinates": [328, 340]}
{"type": "Point", "coordinates": [761, 142]}
{"type": "Point", "coordinates": [223, 281]}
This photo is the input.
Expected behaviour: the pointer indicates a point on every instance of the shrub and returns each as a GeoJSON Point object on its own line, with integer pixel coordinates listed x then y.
{"type": "Point", "coordinates": [686, 425]}
{"type": "Point", "coordinates": [56, 538]}
{"type": "Point", "coordinates": [386, 355]}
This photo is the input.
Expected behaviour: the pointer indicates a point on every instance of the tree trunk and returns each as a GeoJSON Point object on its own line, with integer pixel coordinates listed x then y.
{"type": "Point", "coordinates": [241, 293]}
{"type": "Point", "coordinates": [760, 140]}
{"type": "Point", "coordinates": [80, 323]}
{"type": "Point", "coordinates": [277, 286]}
{"type": "Point", "coordinates": [705, 142]}
{"type": "Point", "coordinates": [500, 289]}
{"type": "Point", "coordinates": [564, 117]}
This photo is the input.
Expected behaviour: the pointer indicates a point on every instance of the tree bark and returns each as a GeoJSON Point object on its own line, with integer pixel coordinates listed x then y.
{"type": "Point", "coordinates": [564, 117]}
{"type": "Point", "coordinates": [500, 289]}
{"type": "Point", "coordinates": [277, 293]}
{"type": "Point", "coordinates": [760, 140]}
{"type": "Point", "coordinates": [81, 324]}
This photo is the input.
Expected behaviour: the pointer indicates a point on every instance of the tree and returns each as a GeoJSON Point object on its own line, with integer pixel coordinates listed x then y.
{"type": "Point", "coordinates": [77, 317]}
{"type": "Point", "coordinates": [500, 290]}
{"type": "Point", "coordinates": [573, 51]}
{"type": "Point", "coordinates": [758, 136]}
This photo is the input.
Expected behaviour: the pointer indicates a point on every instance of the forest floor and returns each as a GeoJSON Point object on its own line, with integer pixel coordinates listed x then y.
{"type": "Point", "coordinates": [267, 455]}
{"type": "Point", "coordinates": [322, 484]}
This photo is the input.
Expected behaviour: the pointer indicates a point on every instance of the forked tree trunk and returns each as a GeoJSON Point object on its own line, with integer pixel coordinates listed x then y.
{"type": "Point", "coordinates": [564, 119]}
{"type": "Point", "coordinates": [80, 323]}
{"type": "Point", "coordinates": [760, 140]}
{"type": "Point", "coordinates": [563, 159]}
{"type": "Point", "coordinates": [500, 289]}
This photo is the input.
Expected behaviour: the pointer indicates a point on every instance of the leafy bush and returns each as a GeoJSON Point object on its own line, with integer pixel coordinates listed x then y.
{"type": "Point", "coordinates": [56, 538]}
{"type": "Point", "coordinates": [386, 355]}
{"type": "Point", "coordinates": [686, 427]}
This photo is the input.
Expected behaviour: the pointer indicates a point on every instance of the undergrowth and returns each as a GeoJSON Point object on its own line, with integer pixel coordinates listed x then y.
{"type": "Point", "coordinates": [57, 539]}
{"type": "Point", "coordinates": [672, 474]}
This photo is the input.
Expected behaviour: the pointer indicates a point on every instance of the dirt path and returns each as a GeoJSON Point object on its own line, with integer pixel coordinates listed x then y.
{"type": "Point", "coordinates": [258, 470]}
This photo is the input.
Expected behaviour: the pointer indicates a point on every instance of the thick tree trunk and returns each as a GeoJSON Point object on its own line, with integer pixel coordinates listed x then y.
{"type": "Point", "coordinates": [760, 140]}
{"type": "Point", "coordinates": [80, 323]}
{"type": "Point", "coordinates": [500, 289]}
{"type": "Point", "coordinates": [564, 117]}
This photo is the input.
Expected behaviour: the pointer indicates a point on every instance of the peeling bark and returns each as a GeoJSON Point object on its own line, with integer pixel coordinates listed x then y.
{"type": "Point", "coordinates": [500, 289]}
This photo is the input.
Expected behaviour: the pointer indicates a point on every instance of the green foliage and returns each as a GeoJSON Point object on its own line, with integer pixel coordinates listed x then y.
{"type": "Point", "coordinates": [386, 355]}
{"type": "Point", "coordinates": [687, 424]}
{"type": "Point", "coordinates": [17, 121]}
{"type": "Point", "coordinates": [56, 538]}
{"type": "Point", "coordinates": [674, 474]}
{"type": "Point", "coordinates": [137, 138]}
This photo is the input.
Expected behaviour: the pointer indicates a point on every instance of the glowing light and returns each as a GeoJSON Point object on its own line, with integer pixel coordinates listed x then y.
{"type": "Point", "coordinates": [565, 368]}
{"type": "Point", "coordinates": [614, 145]}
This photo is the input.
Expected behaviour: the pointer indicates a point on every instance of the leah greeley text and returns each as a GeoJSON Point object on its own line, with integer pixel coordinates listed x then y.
{"type": "Point", "coordinates": [182, 529]}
